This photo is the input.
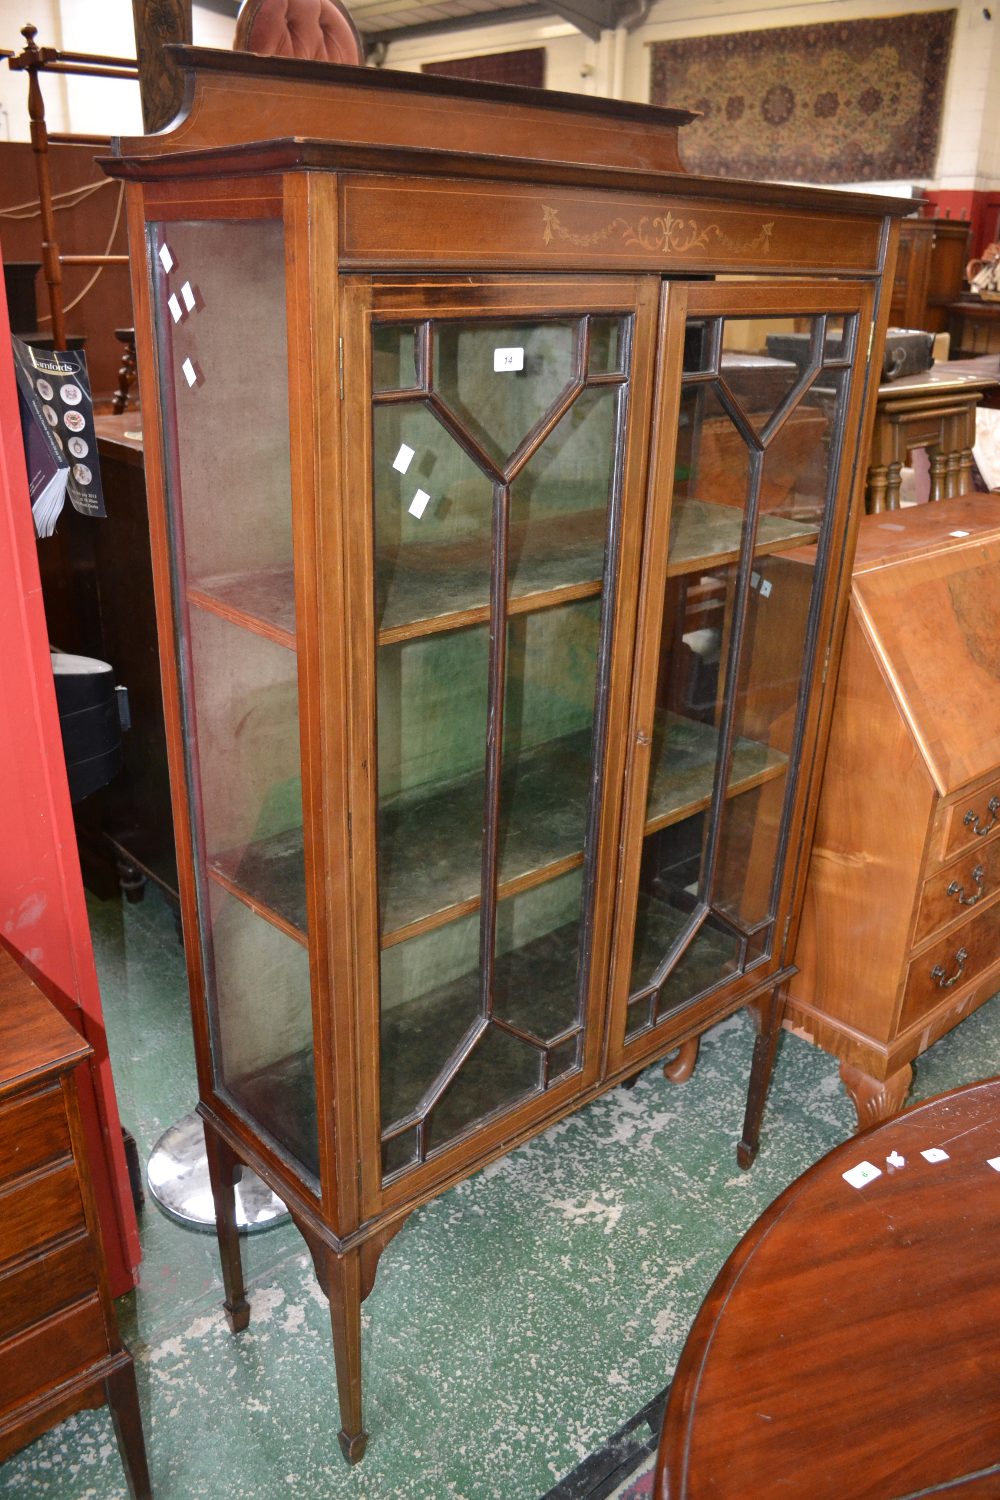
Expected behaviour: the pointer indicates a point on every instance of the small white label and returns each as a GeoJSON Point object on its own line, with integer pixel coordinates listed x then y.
{"type": "Point", "coordinates": [959, 533]}
{"type": "Point", "coordinates": [166, 259]}
{"type": "Point", "coordinates": [403, 458]}
{"type": "Point", "coordinates": [175, 308]}
{"type": "Point", "coordinates": [190, 373]}
{"type": "Point", "coordinates": [755, 580]}
{"type": "Point", "coordinates": [419, 503]}
{"type": "Point", "coordinates": [934, 1154]}
{"type": "Point", "coordinates": [895, 1160]}
{"type": "Point", "coordinates": [508, 359]}
{"type": "Point", "coordinates": [188, 295]}
{"type": "Point", "coordinates": [862, 1174]}
{"type": "Point", "coordinates": [994, 1162]}
{"type": "Point", "coordinates": [765, 589]}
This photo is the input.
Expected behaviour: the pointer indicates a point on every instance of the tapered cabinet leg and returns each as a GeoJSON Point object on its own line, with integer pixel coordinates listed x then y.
{"type": "Point", "coordinates": [876, 1099]}
{"type": "Point", "coordinates": [770, 1015]}
{"type": "Point", "coordinates": [225, 1170]}
{"type": "Point", "coordinates": [680, 1067]}
{"type": "Point", "coordinates": [123, 1399]}
{"type": "Point", "coordinates": [341, 1277]}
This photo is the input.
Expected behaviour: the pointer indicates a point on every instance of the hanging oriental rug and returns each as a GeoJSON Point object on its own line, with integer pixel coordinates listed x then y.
{"type": "Point", "coordinates": [849, 101]}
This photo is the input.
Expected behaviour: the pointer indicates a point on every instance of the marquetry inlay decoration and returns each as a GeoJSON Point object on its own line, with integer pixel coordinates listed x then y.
{"type": "Point", "coordinates": [665, 232]}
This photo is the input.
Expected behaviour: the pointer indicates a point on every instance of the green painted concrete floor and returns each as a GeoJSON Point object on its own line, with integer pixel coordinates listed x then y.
{"type": "Point", "coordinates": [516, 1322]}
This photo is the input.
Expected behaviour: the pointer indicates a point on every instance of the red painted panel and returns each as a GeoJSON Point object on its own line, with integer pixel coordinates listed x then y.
{"type": "Point", "coordinates": [980, 209]}
{"type": "Point", "coordinates": [43, 917]}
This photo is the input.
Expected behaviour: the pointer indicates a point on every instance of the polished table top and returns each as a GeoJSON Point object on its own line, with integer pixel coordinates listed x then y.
{"type": "Point", "coordinates": [950, 377]}
{"type": "Point", "coordinates": [850, 1347]}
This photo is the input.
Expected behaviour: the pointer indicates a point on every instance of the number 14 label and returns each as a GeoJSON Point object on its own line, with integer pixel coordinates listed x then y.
{"type": "Point", "coordinates": [508, 359]}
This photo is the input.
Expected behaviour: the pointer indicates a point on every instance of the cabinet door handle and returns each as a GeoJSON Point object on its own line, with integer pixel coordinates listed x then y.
{"type": "Point", "coordinates": [971, 819]}
{"type": "Point", "coordinates": [938, 974]}
{"type": "Point", "coordinates": [959, 890]}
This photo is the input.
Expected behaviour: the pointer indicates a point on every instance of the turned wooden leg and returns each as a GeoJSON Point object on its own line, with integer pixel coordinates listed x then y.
{"type": "Point", "coordinates": [876, 1099]}
{"type": "Point", "coordinates": [939, 472]}
{"type": "Point", "coordinates": [875, 497]}
{"type": "Point", "coordinates": [224, 1172]}
{"type": "Point", "coordinates": [893, 480]}
{"type": "Point", "coordinates": [126, 370]}
{"type": "Point", "coordinates": [770, 1012]}
{"type": "Point", "coordinates": [678, 1069]}
{"type": "Point", "coordinates": [126, 1416]}
{"type": "Point", "coordinates": [951, 479]}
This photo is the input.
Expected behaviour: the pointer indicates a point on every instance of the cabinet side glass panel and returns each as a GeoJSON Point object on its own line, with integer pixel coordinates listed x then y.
{"type": "Point", "coordinates": [218, 290]}
{"type": "Point", "coordinates": [496, 492]}
{"type": "Point", "coordinates": [753, 483]}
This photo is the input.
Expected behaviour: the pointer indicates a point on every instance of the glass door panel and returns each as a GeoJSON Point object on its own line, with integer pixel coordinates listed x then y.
{"type": "Point", "coordinates": [219, 297]}
{"type": "Point", "coordinates": [497, 465]}
{"type": "Point", "coordinates": [753, 482]}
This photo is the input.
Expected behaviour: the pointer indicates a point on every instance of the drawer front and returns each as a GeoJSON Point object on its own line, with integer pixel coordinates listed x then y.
{"type": "Point", "coordinates": [958, 889]}
{"type": "Point", "coordinates": [951, 965]}
{"type": "Point", "coordinates": [33, 1131]}
{"type": "Point", "coordinates": [972, 821]}
{"type": "Point", "coordinates": [31, 1293]}
{"type": "Point", "coordinates": [45, 1208]}
{"type": "Point", "coordinates": [33, 1362]}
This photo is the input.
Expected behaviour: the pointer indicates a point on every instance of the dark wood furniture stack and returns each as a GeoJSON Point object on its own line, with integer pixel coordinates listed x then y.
{"type": "Point", "coordinates": [59, 1346]}
{"type": "Point", "coordinates": [935, 411]}
{"type": "Point", "coordinates": [930, 268]}
{"type": "Point", "coordinates": [975, 327]}
{"type": "Point", "coordinates": [848, 1346]}
{"type": "Point", "coordinates": [900, 927]}
{"type": "Point", "coordinates": [491, 706]}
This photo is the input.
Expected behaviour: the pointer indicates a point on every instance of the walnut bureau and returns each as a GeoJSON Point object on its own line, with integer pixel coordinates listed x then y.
{"type": "Point", "coordinates": [491, 701]}
{"type": "Point", "coordinates": [900, 934]}
{"type": "Point", "coordinates": [59, 1345]}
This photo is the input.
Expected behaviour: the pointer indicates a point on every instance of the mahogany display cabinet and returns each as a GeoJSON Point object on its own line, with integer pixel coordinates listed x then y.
{"type": "Point", "coordinates": [493, 708]}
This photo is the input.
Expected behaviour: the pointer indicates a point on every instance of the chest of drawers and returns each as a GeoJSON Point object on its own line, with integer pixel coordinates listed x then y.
{"type": "Point", "coordinates": [59, 1344]}
{"type": "Point", "coordinates": [900, 935]}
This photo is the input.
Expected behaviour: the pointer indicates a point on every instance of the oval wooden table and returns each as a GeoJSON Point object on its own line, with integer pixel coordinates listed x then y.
{"type": "Point", "coordinates": [850, 1347]}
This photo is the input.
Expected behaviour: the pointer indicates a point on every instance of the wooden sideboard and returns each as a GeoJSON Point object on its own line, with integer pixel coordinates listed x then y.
{"type": "Point", "coordinates": [974, 326]}
{"type": "Point", "coordinates": [930, 265]}
{"type": "Point", "coordinates": [59, 1345]}
{"type": "Point", "coordinates": [900, 935]}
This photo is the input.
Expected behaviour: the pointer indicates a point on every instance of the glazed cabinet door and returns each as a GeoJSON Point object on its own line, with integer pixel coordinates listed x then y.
{"type": "Point", "coordinates": [497, 461]}
{"type": "Point", "coordinates": [226, 522]}
{"type": "Point", "coordinates": [756, 448]}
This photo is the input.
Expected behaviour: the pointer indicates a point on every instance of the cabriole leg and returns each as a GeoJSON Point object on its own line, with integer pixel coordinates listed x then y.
{"type": "Point", "coordinates": [770, 1011]}
{"type": "Point", "coordinates": [678, 1069]}
{"type": "Point", "coordinates": [876, 1099]}
{"type": "Point", "coordinates": [224, 1172]}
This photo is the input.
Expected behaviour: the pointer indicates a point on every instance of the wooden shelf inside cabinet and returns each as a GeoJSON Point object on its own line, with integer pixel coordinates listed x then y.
{"type": "Point", "coordinates": [268, 876]}
{"type": "Point", "coordinates": [423, 589]}
{"type": "Point", "coordinates": [409, 599]}
{"type": "Point", "coordinates": [262, 601]}
{"type": "Point", "coordinates": [433, 876]}
{"type": "Point", "coordinates": [705, 534]}
{"type": "Point", "coordinates": [435, 838]}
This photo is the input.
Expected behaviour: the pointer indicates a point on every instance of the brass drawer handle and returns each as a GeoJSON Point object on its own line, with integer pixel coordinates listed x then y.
{"type": "Point", "coordinates": [959, 890]}
{"type": "Point", "coordinates": [937, 973]}
{"type": "Point", "coordinates": [971, 818]}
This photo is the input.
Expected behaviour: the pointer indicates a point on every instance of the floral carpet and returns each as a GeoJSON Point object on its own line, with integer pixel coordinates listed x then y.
{"type": "Point", "coordinates": [848, 101]}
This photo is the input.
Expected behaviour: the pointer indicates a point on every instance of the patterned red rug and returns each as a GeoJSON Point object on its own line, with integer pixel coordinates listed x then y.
{"type": "Point", "coordinates": [849, 101]}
